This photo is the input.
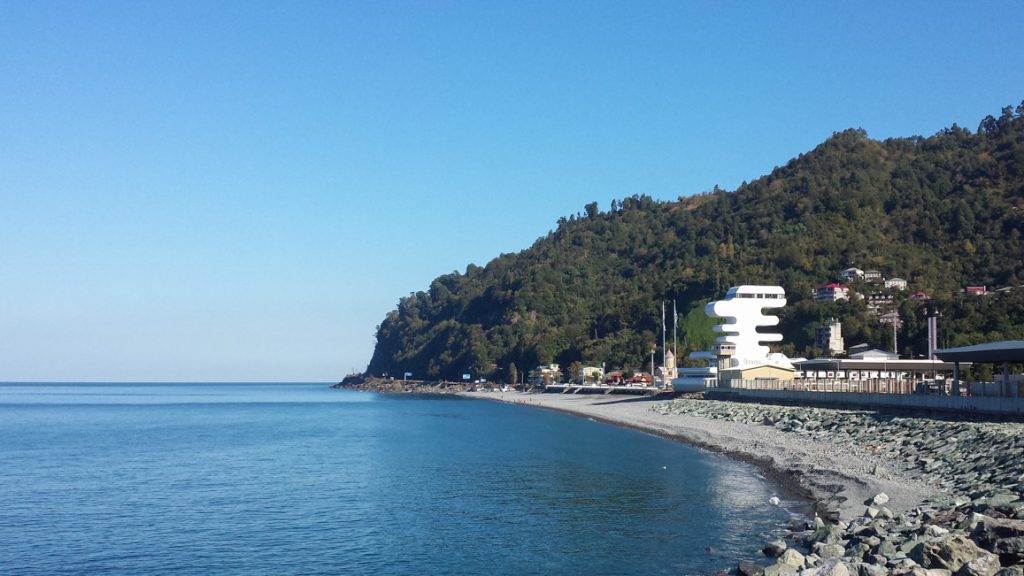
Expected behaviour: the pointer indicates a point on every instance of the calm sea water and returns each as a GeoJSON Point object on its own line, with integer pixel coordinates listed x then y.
{"type": "Point", "coordinates": [302, 479]}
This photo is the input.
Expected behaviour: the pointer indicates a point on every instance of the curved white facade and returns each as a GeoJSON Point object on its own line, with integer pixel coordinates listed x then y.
{"type": "Point", "coordinates": [743, 309]}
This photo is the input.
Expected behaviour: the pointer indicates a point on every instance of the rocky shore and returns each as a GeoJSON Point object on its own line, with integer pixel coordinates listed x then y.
{"type": "Point", "coordinates": [974, 525]}
{"type": "Point", "coordinates": [894, 494]}
{"type": "Point", "coordinates": [389, 385]}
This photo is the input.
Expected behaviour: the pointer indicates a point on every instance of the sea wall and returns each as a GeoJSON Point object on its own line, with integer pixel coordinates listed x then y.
{"type": "Point", "coordinates": [1012, 407]}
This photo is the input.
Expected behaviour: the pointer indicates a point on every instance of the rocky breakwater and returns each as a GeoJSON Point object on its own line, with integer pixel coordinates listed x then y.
{"type": "Point", "coordinates": [973, 526]}
{"type": "Point", "coordinates": [391, 385]}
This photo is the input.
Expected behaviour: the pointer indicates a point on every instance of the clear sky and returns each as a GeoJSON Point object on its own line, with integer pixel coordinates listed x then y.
{"type": "Point", "coordinates": [242, 190]}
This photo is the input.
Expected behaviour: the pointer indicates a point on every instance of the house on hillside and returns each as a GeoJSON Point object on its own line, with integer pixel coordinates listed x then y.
{"type": "Point", "coordinates": [851, 274]}
{"type": "Point", "coordinates": [832, 292]}
{"type": "Point", "coordinates": [920, 296]}
{"type": "Point", "coordinates": [872, 276]}
{"type": "Point", "coordinates": [829, 337]}
{"type": "Point", "coordinates": [891, 318]}
{"type": "Point", "coordinates": [975, 290]}
{"type": "Point", "coordinates": [880, 301]}
{"type": "Point", "coordinates": [896, 283]}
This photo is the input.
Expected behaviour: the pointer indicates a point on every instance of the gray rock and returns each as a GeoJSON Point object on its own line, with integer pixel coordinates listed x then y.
{"type": "Point", "coordinates": [985, 565]}
{"type": "Point", "coordinates": [859, 550]}
{"type": "Point", "coordinates": [1005, 537]}
{"type": "Point", "coordinates": [780, 569]}
{"type": "Point", "coordinates": [886, 548]}
{"type": "Point", "coordinates": [793, 558]}
{"type": "Point", "coordinates": [949, 553]}
{"type": "Point", "coordinates": [871, 570]}
{"type": "Point", "coordinates": [775, 548]}
{"type": "Point", "coordinates": [828, 550]}
{"type": "Point", "coordinates": [830, 567]}
{"type": "Point", "coordinates": [748, 568]}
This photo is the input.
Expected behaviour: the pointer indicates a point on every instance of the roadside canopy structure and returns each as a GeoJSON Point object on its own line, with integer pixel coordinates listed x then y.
{"type": "Point", "coordinates": [1005, 352]}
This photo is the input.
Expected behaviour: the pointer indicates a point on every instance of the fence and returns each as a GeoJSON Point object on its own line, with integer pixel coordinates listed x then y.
{"type": "Point", "coordinates": [867, 386]}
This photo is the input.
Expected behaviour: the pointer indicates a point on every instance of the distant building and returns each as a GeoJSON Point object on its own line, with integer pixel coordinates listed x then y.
{"type": "Point", "coordinates": [872, 275]}
{"type": "Point", "coordinates": [873, 354]}
{"type": "Point", "coordinates": [891, 318]}
{"type": "Point", "coordinates": [879, 301]}
{"type": "Point", "coordinates": [852, 274]}
{"type": "Point", "coordinates": [668, 371]}
{"type": "Point", "coordinates": [741, 353]}
{"type": "Point", "coordinates": [832, 292]}
{"type": "Point", "coordinates": [615, 378]}
{"type": "Point", "coordinates": [544, 375]}
{"type": "Point", "coordinates": [896, 283]}
{"type": "Point", "coordinates": [919, 295]}
{"type": "Point", "coordinates": [592, 374]}
{"type": "Point", "coordinates": [830, 337]}
{"type": "Point", "coordinates": [975, 290]}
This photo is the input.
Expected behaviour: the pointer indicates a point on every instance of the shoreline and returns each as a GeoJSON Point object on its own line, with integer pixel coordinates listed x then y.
{"type": "Point", "coordinates": [903, 494]}
{"type": "Point", "coordinates": [828, 481]}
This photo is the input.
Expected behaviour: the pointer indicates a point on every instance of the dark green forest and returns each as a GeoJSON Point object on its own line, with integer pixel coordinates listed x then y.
{"type": "Point", "coordinates": [943, 212]}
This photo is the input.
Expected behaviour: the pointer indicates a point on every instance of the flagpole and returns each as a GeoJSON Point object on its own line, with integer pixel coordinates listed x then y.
{"type": "Point", "coordinates": [675, 323]}
{"type": "Point", "coordinates": [664, 351]}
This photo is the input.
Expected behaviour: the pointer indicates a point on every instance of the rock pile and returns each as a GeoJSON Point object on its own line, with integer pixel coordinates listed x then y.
{"type": "Point", "coordinates": [976, 529]}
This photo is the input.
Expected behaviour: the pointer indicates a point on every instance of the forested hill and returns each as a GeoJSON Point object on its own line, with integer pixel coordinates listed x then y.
{"type": "Point", "coordinates": [943, 212]}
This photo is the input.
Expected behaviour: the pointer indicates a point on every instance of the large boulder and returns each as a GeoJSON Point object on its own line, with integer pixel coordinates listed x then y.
{"type": "Point", "coordinates": [775, 548]}
{"type": "Point", "coordinates": [947, 553]}
{"type": "Point", "coordinates": [829, 550]}
{"type": "Point", "coordinates": [793, 558]}
{"type": "Point", "coordinates": [1003, 536]}
{"type": "Point", "coordinates": [984, 565]}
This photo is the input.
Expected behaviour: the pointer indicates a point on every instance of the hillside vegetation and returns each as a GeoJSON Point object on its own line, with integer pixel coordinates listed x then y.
{"type": "Point", "coordinates": [943, 212]}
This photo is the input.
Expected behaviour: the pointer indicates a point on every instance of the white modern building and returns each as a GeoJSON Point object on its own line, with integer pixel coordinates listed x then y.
{"type": "Point", "coordinates": [740, 353]}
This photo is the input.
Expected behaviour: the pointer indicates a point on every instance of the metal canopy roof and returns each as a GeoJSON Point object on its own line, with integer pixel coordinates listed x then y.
{"type": "Point", "coordinates": [1005, 351]}
{"type": "Point", "coordinates": [847, 364]}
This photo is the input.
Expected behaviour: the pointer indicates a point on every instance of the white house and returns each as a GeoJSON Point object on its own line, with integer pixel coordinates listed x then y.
{"type": "Point", "coordinates": [832, 292]}
{"type": "Point", "coordinates": [896, 283]}
{"type": "Point", "coordinates": [852, 274]}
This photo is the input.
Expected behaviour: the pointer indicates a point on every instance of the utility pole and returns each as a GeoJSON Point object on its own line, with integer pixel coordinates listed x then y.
{"type": "Point", "coordinates": [895, 349]}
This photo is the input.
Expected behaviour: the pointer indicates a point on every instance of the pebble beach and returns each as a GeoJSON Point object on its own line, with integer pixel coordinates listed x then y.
{"type": "Point", "coordinates": [890, 494]}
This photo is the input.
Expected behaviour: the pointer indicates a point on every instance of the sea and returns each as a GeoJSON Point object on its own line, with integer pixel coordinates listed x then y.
{"type": "Point", "coordinates": [116, 478]}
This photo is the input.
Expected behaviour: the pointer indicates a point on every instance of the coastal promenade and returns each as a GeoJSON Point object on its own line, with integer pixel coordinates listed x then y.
{"type": "Point", "coordinates": [892, 494]}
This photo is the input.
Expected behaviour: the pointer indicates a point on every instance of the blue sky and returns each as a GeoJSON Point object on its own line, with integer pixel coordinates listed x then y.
{"type": "Point", "coordinates": [242, 190]}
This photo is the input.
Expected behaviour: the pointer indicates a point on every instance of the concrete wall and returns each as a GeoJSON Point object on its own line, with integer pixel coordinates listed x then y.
{"type": "Point", "coordinates": [963, 404]}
